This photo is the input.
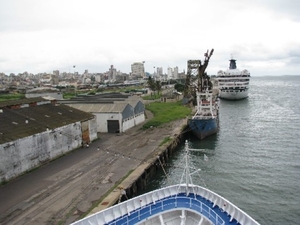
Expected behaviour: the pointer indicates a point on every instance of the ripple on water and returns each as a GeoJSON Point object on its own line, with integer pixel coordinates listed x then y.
{"type": "Point", "coordinates": [254, 159]}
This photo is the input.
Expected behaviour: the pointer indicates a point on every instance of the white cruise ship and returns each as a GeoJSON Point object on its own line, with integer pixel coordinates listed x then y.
{"type": "Point", "coordinates": [233, 83]}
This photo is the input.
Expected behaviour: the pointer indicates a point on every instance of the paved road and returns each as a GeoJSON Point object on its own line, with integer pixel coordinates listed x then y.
{"type": "Point", "coordinates": [73, 182]}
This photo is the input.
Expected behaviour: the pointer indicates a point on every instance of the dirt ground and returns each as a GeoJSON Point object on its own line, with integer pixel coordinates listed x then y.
{"type": "Point", "coordinates": [70, 185]}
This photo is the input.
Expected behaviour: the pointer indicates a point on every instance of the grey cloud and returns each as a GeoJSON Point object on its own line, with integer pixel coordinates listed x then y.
{"type": "Point", "coordinates": [286, 8]}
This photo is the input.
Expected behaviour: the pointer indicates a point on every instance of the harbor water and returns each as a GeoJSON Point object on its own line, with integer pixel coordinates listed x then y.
{"type": "Point", "coordinates": [254, 159]}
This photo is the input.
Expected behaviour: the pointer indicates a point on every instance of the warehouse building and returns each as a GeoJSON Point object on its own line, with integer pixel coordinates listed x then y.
{"type": "Point", "coordinates": [115, 112]}
{"type": "Point", "coordinates": [35, 131]}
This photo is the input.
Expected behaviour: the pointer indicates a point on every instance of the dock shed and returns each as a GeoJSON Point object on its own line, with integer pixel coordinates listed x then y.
{"type": "Point", "coordinates": [116, 117]}
{"type": "Point", "coordinates": [35, 131]}
{"type": "Point", "coordinates": [115, 112]}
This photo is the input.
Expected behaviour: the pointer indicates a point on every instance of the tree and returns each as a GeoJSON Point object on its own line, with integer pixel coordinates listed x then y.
{"type": "Point", "coordinates": [151, 84]}
{"type": "Point", "coordinates": [158, 86]}
{"type": "Point", "coordinates": [179, 87]}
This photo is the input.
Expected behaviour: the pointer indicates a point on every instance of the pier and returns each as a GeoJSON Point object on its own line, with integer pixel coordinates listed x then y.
{"type": "Point", "coordinates": [138, 179]}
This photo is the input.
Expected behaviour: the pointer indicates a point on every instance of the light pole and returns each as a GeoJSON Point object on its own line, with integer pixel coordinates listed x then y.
{"type": "Point", "coordinates": [144, 75]}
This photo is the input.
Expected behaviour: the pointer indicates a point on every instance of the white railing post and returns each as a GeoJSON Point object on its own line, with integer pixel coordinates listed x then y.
{"type": "Point", "coordinates": [139, 215]}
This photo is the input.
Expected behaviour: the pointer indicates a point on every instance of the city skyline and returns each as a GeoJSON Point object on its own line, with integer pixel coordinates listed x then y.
{"type": "Point", "coordinates": [73, 70]}
{"type": "Point", "coordinates": [40, 36]}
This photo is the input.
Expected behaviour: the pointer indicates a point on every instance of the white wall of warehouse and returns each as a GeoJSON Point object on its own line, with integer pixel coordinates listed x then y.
{"type": "Point", "coordinates": [125, 125]}
{"type": "Point", "coordinates": [133, 121]}
{"type": "Point", "coordinates": [139, 118]}
{"type": "Point", "coordinates": [128, 123]}
{"type": "Point", "coordinates": [27, 153]}
{"type": "Point", "coordinates": [102, 120]}
{"type": "Point", "coordinates": [93, 128]}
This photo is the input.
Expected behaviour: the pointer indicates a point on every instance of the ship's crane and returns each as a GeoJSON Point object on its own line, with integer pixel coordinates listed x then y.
{"type": "Point", "coordinates": [196, 76]}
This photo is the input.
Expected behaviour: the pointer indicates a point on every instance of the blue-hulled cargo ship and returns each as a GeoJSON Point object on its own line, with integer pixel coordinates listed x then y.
{"type": "Point", "coordinates": [205, 121]}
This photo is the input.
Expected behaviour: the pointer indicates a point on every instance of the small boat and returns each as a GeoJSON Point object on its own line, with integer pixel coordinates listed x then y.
{"type": "Point", "coordinates": [184, 203]}
{"type": "Point", "coordinates": [205, 121]}
{"type": "Point", "coordinates": [233, 83]}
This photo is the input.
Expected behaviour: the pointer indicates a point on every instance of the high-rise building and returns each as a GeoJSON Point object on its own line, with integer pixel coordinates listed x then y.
{"type": "Point", "coordinates": [175, 73]}
{"type": "Point", "coordinates": [159, 71]}
{"type": "Point", "coordinates": [56, 72]}
{"type": "Point", "coordinates": [112, 73]}
{"type": "Point", "coordinates": [138, 69]}
{"type": "Point", "coordinates": [170, 73]}
{"type": "Point", "coordinates": [54, 80]}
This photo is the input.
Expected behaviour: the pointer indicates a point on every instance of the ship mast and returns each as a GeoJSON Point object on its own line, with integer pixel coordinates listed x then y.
{"type": "Point", "coordinates": [187, 173]}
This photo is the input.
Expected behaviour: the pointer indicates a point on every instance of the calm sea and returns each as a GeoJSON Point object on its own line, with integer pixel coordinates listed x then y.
{"type": "Point", "coordinates": [254, 159]}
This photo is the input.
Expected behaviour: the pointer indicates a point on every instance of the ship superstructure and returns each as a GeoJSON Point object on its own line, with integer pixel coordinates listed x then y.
{"type": "Point", "coordinates": [233, 83]}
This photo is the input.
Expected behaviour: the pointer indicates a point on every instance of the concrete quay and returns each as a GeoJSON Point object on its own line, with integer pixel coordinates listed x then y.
{"type": "Point", "coordinates": [146, 167]}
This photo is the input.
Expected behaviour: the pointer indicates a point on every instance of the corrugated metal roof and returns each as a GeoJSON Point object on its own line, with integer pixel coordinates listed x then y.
{"type": "Point", "coordinates": [103, 97]}
{"type": "Point", "coordinates": [21, 101]}
{"type": "Point", "coordinates": [101, 108]}
{"type": "Point", "coordinates": [133, 103]}
{"type": "Point", "coordinates": [84, 101]}
{"type": "Point", "coordinates": [23, 122]}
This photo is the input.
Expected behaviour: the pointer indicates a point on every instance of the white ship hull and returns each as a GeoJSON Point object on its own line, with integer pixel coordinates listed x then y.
{"type": "Point", "coordinates": [234, 94]}
{"type": "Point", "coordinates": [233, 83]}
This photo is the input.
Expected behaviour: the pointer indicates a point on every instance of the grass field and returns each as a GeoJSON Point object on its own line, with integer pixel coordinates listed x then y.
{"type": "Point", "coordinates": [7, 97]}
{"type": "Point", "coordinates": [166, 112]}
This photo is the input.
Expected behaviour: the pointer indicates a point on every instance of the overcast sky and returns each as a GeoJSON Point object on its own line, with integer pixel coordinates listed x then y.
{"type": "Point", "coordinates": [45, 35]}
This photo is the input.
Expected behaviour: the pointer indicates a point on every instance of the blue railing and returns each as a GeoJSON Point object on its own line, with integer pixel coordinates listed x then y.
{"type": "Point", "coordinates": [199, 200]}
{"type": "Point", "coordinates": [168, 204]}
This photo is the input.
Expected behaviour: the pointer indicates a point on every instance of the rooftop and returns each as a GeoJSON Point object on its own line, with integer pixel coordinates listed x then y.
{"type": "Point", "coordinates": [23, 122]}
{"type": "Point", "coordinates": [21, 102]}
